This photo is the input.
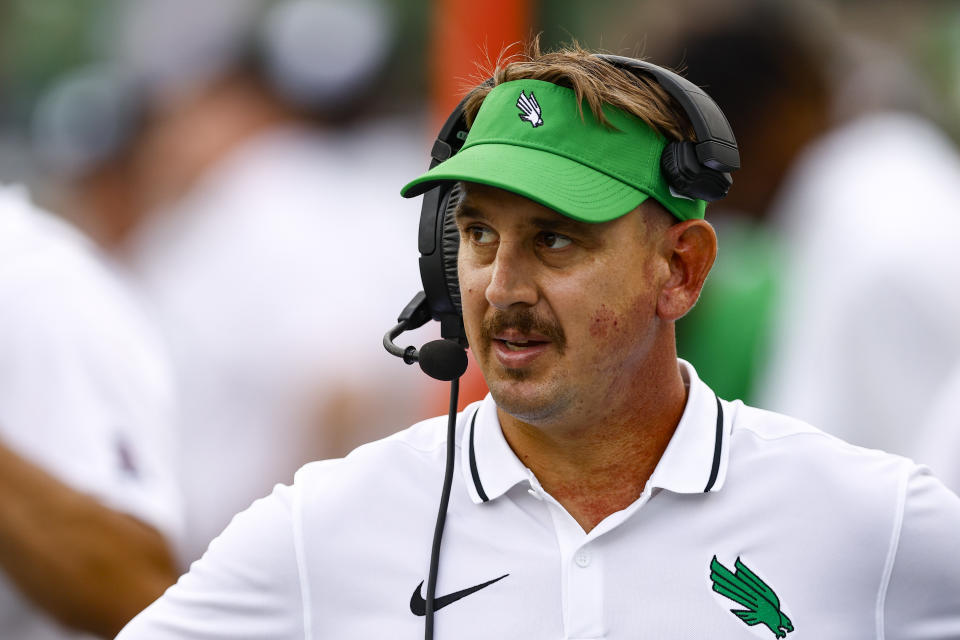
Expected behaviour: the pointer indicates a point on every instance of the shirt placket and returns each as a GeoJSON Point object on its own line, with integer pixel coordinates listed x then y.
{"type": "Point", "coordinates": [581, 570]}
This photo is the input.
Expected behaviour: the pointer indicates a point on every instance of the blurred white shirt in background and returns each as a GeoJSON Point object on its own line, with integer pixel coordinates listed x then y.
{"type": "Point", "coordinates": [870, 319]}
{"type": "Point", "coordinates": [85, 389]}
{"type": "Point", "coordinates": [275, 280]}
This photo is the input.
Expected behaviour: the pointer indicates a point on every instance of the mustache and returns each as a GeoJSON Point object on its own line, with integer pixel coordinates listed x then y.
{"type": "Point", "coordinates": [524, 321]}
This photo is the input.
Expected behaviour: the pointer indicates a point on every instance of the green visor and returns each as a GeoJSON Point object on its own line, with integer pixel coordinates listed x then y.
{"type": "Point", "coordinates": [529, 138]}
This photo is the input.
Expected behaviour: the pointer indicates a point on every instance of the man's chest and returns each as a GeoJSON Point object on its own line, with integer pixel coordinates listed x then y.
{"type": "Point", "coordinates": [664, 573]}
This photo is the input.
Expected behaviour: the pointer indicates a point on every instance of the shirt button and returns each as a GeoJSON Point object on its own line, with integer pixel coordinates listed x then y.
{"type": "Point", "coordinates": [582, 558]}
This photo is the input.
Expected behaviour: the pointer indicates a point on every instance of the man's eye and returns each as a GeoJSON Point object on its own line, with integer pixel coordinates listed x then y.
{"type": "Point", "coordinates": [481, 235]}
{"type": "Point", "coordinates": [554, 240]}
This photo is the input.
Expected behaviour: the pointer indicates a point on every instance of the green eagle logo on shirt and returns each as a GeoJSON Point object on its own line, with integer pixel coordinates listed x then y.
{"type": "Point", "coordinates": [745, 588]}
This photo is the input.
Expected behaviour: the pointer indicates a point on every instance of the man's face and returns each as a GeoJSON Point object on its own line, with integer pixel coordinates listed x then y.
{"type": "Point", "coordinates": [561, 315]}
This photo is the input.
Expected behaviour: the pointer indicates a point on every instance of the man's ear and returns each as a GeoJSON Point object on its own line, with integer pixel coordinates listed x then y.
{"type": "Point", "coordinates": [690, 248]}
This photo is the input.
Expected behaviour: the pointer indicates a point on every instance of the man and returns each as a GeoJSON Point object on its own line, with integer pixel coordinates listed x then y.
{"type": "Point", "coordinates": [602, 490]}
{"type": "Point", "coordinates": [88, 507]}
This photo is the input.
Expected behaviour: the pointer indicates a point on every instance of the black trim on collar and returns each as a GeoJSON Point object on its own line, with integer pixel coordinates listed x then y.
{"type": "Point", "coordinates": [473, 463]}
{"type": "Point", "coordinates": [717, 447]}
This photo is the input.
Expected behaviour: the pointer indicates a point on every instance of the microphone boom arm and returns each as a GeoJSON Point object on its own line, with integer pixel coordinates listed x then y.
{"type": "Point", "coordinates": [414, 315]}
{"type": "Point", "coordinates": [409, 354]}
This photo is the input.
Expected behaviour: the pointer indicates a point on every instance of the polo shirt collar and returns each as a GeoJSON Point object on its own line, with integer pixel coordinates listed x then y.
{"type": "Point", "coordinates": [695, 460]}
{"type": "Point", "coordinates": [490, 466]}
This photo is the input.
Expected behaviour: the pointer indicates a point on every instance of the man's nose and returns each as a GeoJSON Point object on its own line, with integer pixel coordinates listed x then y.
{"type": "Point", "coordinates": [512, 278]}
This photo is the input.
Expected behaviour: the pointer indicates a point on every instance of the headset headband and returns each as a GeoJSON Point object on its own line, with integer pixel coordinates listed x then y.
{"type": "Point", "coordinates": [716, 146]}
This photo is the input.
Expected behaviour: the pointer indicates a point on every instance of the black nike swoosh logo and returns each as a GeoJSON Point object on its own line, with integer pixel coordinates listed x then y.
{"type": "Point", "coordinates": [419, 606]}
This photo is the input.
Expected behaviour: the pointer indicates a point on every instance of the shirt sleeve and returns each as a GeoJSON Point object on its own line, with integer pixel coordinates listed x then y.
{"type": "Point", "coordinates": [246, 586]}
{"type": "Point", "coordinates": [923, 595]}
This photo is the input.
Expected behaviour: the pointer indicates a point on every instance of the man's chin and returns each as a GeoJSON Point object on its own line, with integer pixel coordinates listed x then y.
{"type": "Point", "coordinates": [525, 400]}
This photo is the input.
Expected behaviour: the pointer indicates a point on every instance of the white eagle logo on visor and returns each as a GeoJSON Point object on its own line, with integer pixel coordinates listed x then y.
{"type": "Point", "coordinates": [530, 108]}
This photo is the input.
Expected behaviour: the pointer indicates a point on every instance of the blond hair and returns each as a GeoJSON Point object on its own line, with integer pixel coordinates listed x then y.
{"type": "Point", "coordinates": [595, 82]}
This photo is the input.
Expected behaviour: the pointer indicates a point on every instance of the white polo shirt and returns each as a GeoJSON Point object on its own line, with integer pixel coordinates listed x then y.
{"type": "Point", "coordinates": [748, 511]}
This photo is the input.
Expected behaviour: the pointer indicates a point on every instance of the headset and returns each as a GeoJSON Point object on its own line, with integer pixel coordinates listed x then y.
{"type": "Point", "coordinates": [696, 170]}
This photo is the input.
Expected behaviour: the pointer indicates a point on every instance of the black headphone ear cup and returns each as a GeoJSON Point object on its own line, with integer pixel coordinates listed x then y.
{"type": "Point", "coordinates": [675, 162]}
{"type": "Point", "coordinates": [688, 177]}
{"type": "Point", "coordinates": [450, 245]}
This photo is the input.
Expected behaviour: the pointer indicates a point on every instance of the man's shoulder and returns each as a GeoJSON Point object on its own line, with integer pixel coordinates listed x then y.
{"type": "Point", "coordinates": [415, 452]}
{"type": "Point", "coordinates": [780, 429]}
{"type": "Point", "coordinates": [796, 448]}
{"type": "Point", "coordinates": [859, 497]}
{"type": "Point", "coordinates": [388, 487]}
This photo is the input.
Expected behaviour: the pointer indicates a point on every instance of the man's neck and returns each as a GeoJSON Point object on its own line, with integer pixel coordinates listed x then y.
{"type": "Point", "coordinates": [597, 468]}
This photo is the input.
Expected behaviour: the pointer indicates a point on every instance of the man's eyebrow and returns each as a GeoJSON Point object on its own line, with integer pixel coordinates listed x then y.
{"type": "Point", "coordinates": [466, 210]}
{"type": "Point", "coordinates": [562, 223]}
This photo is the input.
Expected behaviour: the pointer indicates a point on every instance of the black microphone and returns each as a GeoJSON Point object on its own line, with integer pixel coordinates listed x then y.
{"type": "Point", "coordinates": [443, 359]}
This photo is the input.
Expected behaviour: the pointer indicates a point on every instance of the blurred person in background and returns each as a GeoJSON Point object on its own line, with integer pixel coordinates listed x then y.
{"type": "Point", "coordinates": [255, 201]}
{"type": "Point", "coordinates": [863, 350]}
{"type": "Point", "coordinates": [89, 509]}
{"type": "Point", "coordinates": [859, 350]}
